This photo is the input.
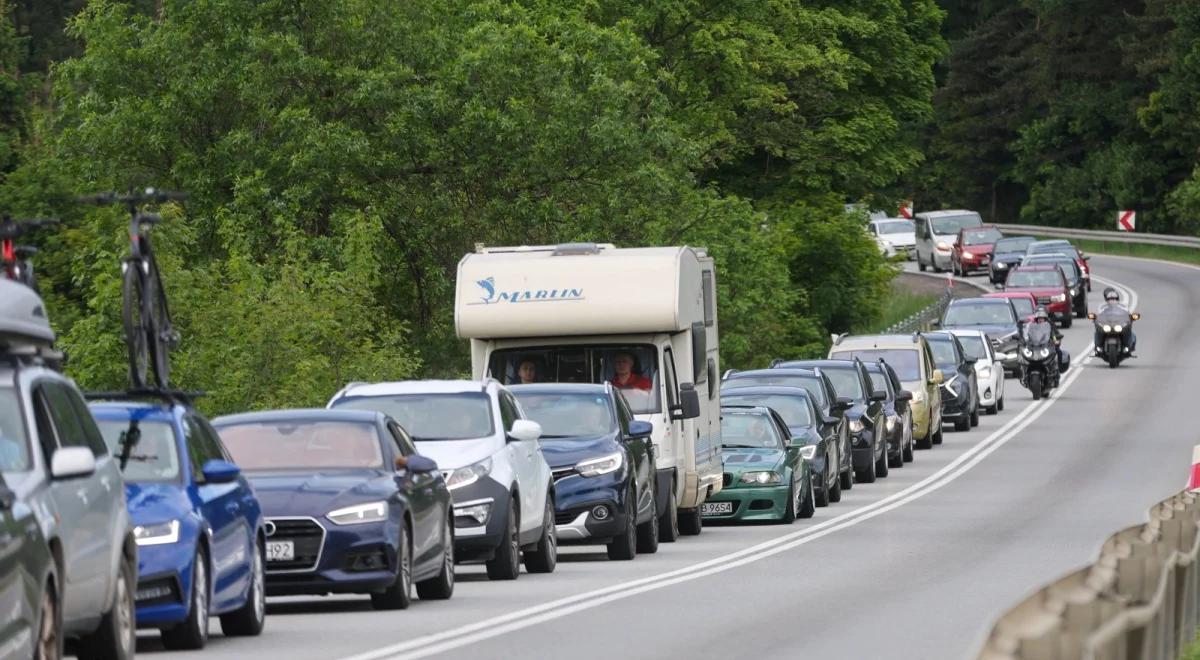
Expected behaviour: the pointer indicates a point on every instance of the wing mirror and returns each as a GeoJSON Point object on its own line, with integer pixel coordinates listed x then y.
{"type": "Point", "coordinates": [879, 395]}
{"type": "Point", "coordinates": [689, 403]}
{"type": "Point", "coordinates": [421, 464]}
{"type": "Point", "coordinates": [937, 378]}
{"type": "Point", "coordinates": [524, 430]}
{"type": "Point", "coordinates": [936, 323]}
{"type": "Point", "coordinates": [843, 403]}
{"type": "Point", "coordinates": [640, 429]}
{"type": "Point", "coordinates": [904, 395]}
{"type": "Point", "coordinates": [830, 420]}
{"type": "Point", "coordinates": [72, 462]}
{"type": "Point", "coordinates": [217, 471]}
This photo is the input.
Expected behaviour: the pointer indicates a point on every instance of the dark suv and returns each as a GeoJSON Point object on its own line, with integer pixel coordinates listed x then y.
{"type": "Point", "coordinates": [868, 430]}
{"type": "Point", "coordinates": [960, 390]}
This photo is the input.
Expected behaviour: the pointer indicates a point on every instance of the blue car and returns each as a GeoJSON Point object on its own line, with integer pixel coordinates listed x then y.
{"type": "Point", "coordinates": [199, 529]}
{"type": "Point", "coordinates": [351, 507]}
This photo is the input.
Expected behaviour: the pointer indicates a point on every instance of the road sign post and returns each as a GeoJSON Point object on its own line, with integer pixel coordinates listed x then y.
{"type": "Point", "coordinates": [1126, 220]}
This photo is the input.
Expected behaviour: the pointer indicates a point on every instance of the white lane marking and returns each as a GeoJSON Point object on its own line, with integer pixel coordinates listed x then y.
{"type": "Point", "coordinates": [448, 640]}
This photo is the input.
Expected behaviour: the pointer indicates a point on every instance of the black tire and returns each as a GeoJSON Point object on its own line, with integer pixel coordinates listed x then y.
{"type": "Point", "coordinates": [896, 461]}
{"type": "Point", "coordinates": [116, 637]}
{"type": "Point", "coordinates": [1112, 355]}
{"type": "Point", "coordinates": [192, 632]}
{"type": "Point", "coordinates": [927, 441]}
{"type": "Point", "coordinates": [807, 508]}
{"type": "Point", "coordinates": [937, 437]}
{"type": "Point", "coordinates": [623, 547]}
{"type": "Point", "coordinates": [866, 476]}
{"type": "Point", "coordinates": [506, 563]}
{"type": "Point", "coordinates": [906, 454]}
{"type": "Point", "coordinates": [441, 586]}
{"type": "Point", "coordinates": [647, 532]}
{"type": "Point", "coordinates": [544, 558]}
{"type": "Point", "coordinates": [962, 424]}
{"type": "Point", "coordinates": [1035, 385]}
{"type": "Point", "coordinates": [992, 409]}
{"type": "Point", "coordinates": [668, 523]}
{"type": "Point", "coordinates": [132, 319]}
{"type": "Point", "coordinates": [249, 619]}
{"type": "Point", "coordinates": [160, 322]}
{"type": "Point", "coordinates": [49, 630]}
{"type": "Point", "coordinates": [789, 511]}
{"type": "Point", "coordinates": [882, 464]}
{"type": "Point", "coordinates": [920, 264]}
{"type": "Point", "coordinates": [690, 522]}
{"type": "Point", "coordinates": [1000, 404]}
{"type": "Point", "coordinates": [398, 596]}
{"type": "Point", "coordinates": [1067, 320]}
{"type": "Point", "coordinates": [975, 416]}
{"type": "Point", "coordinates": [832, 488]}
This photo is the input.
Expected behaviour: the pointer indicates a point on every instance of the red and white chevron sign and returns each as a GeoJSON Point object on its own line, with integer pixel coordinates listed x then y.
{"type": "Point", "coordinates": [1126, 220]}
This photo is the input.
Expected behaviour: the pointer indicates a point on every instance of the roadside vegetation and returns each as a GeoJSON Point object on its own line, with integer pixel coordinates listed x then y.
{"type": "Point", "coordinates": [902, 303]}
{"type": "Point", "coordinates": [1186, 255]}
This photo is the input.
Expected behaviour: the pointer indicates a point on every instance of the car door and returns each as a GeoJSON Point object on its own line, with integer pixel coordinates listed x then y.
{"type": "Point", "coordinates": [249, 512]}
{"type": "Point", "coordinates": [21, 566]}
{"type": "Point", "coordinates": [220, 505]}
{"type": "Point", "coordinates": [419, 489]}
{"type": "Point", "coordinates": [525, 456]}
{"type": "Point", "coordinates": [639, 452]}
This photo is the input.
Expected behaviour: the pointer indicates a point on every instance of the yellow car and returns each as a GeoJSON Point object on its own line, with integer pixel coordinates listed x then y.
{"type": "Point", "coordinates": [910, 356]}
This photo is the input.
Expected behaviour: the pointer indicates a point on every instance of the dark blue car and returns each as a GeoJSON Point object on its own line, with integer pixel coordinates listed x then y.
{"type": "Point", "coordinates": [351, 507]}
{"type": "Point", "coordinates": [603, 466]}
{"type": "Point", "coordinates": [198, 526]}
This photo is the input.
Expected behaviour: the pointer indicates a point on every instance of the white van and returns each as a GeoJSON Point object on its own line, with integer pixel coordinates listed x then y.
{"type": "Point", "coordinates": [936, 232]}
{"type": "Point", "coordinates": [644, 319]}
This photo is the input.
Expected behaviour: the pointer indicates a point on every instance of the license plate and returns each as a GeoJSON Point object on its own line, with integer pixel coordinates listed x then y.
{"type": "Point", "coordinates": [281, 551]}
{"type": "Point", "coordinates": [716, 508]}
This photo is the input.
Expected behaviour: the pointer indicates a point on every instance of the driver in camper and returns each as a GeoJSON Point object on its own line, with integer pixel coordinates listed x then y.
{"type": "Point", "coordinates": [624, 377]}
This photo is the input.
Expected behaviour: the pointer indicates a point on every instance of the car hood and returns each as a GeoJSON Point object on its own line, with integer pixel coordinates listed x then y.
{"type": "Point", "coordinates": [315, 494]}
{"type": "Point", "coordinates": [566, 452]}
{"type": "Point", "coordinates": [154, 502]}
{"type": "Point", "coordinates": [453, 454]}
{"type": "Point", "coordinates": [746, 459]}
{"type": "Point", "coordinates": [982, 248]}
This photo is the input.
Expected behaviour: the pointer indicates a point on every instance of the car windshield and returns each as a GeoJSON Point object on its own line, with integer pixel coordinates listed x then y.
{"type": "Point", "coordinates": [878, 380]}
{"type": "Point", "coordinates": [748, 429]}
{"type": "Point", "coordinates": [14, 440]}
{"type": "Point", "coordinates": [1050, 247]}
{"type": "Point", "coordinates": [903, 360]}
{"type": "Point", "coordinates": [973, 346]}
{"type": "Point", "coordinates": [155, 454]}
{"type": "Point", "coordinates": [633, 368]}
{"type": "Point", "coordinates": [1015, 244]}
{"type": "Point", "coordinates": [979, 314]}
{"type": "Point", "coordinates": [943, 353]}
{"type": "Point", "coordinates": [1034, 278]}
{"type": "Point", "coordinates": [981, 236]}
{"type": "Point", "coordinates": [846, 382]}
{"type": "Point", "coordinates": [1067, 263]}
{"type": "Point", "coordinates": [811, 383]}
{"type": "Point", "coordinates": [793, 408]}
{"type": "Point", "coordinates": [950, 225]}
{"type": "Point", "coordinates": [568, 415]}
{"type": "Point", "coordinates": [303, 445]}
{"type": "Point", "coordinates": [1023, 305]}
{"type": "Point", "coordinates": [447, 416]}
{"type": "Point", "coordinates": [896, 227]}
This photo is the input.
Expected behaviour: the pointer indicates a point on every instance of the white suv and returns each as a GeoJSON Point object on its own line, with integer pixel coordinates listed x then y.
{"type": "Point", "coordinates": [489, 453]}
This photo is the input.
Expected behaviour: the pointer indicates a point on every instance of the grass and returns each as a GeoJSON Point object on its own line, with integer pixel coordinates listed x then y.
{"type": "Point", "coordinates": [1191, 651]}
{"type": "Point", "coordinates": [1185, 255]}
{"type": "Point", "coordinates": [901, 305]}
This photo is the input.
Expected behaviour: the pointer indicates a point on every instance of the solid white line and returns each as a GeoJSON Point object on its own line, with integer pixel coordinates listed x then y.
{"type": "Point", "coordinates": [448, 640]}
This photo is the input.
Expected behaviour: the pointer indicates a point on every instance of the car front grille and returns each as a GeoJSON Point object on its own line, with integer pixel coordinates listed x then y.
{"type": "Point", "coordinates": [306, 534]}
{"type": "Point", "coordinates": [1043, 300]}
{"type": "Point", "coordinates": [562, 473]}
{"type": "Point", "coordinates": [565, 517]}
{"type": "Point", "coordinates": [726, 480]}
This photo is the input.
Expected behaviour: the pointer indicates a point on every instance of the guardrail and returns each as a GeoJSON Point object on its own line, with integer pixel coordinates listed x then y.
{"type": "Point", "coordinates": [1140, 600]}
{"type": "Point", "coordinates": [922, 320]}
{"type": "Point", "coordinates": [1100, 235]}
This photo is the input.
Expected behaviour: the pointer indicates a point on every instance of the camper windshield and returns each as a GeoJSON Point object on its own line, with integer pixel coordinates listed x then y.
{"type": "Point", "coordinates": [950, 225]}
{"type": "Point", "coordinates": [14, 442]}
{"type": "Point", "coordinates": [631, 368]}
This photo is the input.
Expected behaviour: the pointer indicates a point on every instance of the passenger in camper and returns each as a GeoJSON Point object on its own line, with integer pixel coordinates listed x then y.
{"type": "Point", "coordinates": [624, 376]}
{"type": "Point", "coordinates": [527, 371]}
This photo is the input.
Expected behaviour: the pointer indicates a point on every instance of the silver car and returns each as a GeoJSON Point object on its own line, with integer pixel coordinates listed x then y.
{"type": "Point", "coordinates": [63, 484]}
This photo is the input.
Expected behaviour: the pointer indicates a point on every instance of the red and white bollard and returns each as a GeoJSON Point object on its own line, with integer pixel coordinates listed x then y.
{"type": "Point", "coordinates": [1194, 478]}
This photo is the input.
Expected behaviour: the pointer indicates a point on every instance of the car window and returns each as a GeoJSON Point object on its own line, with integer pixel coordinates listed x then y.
{"type": "Point", "coordinates": [793, 408]}
{"type": "Point", "coordinates": [879, 380]}
{"type": "Point", "coordinates": [973, 346]}
{"type": "Point", "coordinates": [404, 444]}
{"type": "Point", "coordinates": [1024, 306]}
{"type": "Point", "coordinates": [1035, 278]}
{"type": "Point", "coordinates": [569, 414]}
{"type": "Point", "coordinates": [903, 360]}
{"type": "Point", "coordinates": [73, 430]}
{"type": "Point", "coordinates": [749, 429]}
{"type": "Point", "coordinates": [943, 354]}
{"type": "Point", "coordinates": [979, 313]}
{"type": "Point", "coordinates": [1018, 244]}
{"type": "Point", "coordinates": [980, 236]}
{"type": "Point", "coordinates": [155, 457]}
{"type": "Point", "coordinates": [47, 435]}
{"type": "Point", "coordinates": [633, 368]}
{"type": "Point", "coordinates": [810, 382]}
{"type": "Point", "coordinates": [304, 444]}
{"type": "Point", "coordinates": [200, 447]}
{"type": "Point", "coordinates": [508, 411]}
{"type": "Point", "coordinates": [847, 382]}
{"type": "Point", "coordinates": [14, 440]}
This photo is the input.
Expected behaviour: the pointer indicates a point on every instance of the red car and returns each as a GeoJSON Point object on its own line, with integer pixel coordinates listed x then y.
{"type": "Point", "coordinates": [972, 249]}
{"type": "Point", "coordinates": [1023, 301]}
{"type": "Point", "coordinates": [1048, 286]}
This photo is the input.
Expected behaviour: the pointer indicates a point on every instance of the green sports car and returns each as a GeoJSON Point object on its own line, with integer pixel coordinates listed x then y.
{"type": "Point", "coordinates": [767, 475]}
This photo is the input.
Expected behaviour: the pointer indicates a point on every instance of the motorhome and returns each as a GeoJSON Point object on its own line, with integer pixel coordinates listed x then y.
{"type": "Point", "coordinates": [644, 319]}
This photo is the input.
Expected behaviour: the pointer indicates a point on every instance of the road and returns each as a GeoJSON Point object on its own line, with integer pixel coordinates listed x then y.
{"type": "Point", "coordinates": [917, 565]}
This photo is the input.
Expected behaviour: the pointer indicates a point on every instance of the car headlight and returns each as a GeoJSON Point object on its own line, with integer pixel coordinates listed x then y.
{"type": "Point", "coordinates": [856, 426]}
{"type": "Point", "coordinates": [1118, 328]}
{"type": "Point", "coordinates": [1074, 293]}
{"type": "Point", "coordinates": [595, 467]}
{"type": "Point", "coordinates": [761, 478]}
{"type": "Point", "coordinates": [359, 514]}
{"type": "Point", "coordinates": [985, 372]}
{"type": "Point", "coordinates": [968, 256]}
{"type": "Point", "coordinates": [1045, 352]}
{"type": "Point", "coordinates": [1000, 265]}
{"type": "Point", "coordinates": [808, 452]}
{"type": "Point", "coordinates": [892, 420]}
{"type": "Point", "coordinates": [943, 246]}
{"type": "Point", "coordinates": [1107, 327]}
{"type": "Point", "coordinates": [157, 534]}
{"type": "Point", "coordinates": [1058, 297]}
{"type": "Point", "coordinates": [465, 476]}
{"type": "Point", "coordinates": [918, 396]}
{"type": "Point", "coordinates": [477, 512]}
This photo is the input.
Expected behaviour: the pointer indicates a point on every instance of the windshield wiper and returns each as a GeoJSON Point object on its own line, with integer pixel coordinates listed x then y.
{"type": "Point", "coordinates": [741, 446]}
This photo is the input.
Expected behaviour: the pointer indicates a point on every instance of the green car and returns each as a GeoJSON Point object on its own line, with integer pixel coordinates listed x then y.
{"type": "Point", "coordinates": [767, 475]}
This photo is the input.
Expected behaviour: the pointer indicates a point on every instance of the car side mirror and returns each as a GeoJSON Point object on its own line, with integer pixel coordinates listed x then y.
{"type": "Point", "coordinates": [830, 420]}
{"type": "Point", "coordinates": [1135, 316]}
{"type": "Point", "coordinates": [689, 403]}
{"type": "Point", "coordinates": [879, 395]}
{"type": "Point", "coordinates": [640, 429]}
{"type": "Point", "coordinates": [72, 462]}
{"type": "Point", "coordinates": [843, 403]}
{"type": "Point", "coordinates": [970, 362]}
{"type": "Point", "coordinates": [217, 471]}
{"type": "Point", "coordinates": [937, 378]}
{"type": "Point", "coordinates": [421, 464]}
{"type": "Point", "coordinates": [525, 430]}
{"type": "Point", "coordinates": [935, 323]}
{"type": "Point", "coordinates": [904, 395]}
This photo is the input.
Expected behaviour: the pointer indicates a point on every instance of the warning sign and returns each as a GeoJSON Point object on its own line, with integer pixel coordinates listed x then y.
{"type": "Point", "coordinates": [1126, 220]}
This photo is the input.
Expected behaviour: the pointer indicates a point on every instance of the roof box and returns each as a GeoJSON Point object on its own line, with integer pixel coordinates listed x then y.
{"type": "Point", "coordinates": [23, 319]}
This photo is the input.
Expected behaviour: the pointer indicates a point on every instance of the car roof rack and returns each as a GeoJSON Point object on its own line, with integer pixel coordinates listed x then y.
{"type": "Point", "coordinates": [167, 395]}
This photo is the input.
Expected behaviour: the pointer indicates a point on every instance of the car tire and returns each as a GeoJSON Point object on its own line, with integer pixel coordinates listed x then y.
{"type": "Point", "coordinates": [116, 638]}
{"type": "Point", "coordinates": [441, 586]}
{"type": "Point", "coordinates": [807, 506]}
{"type": "Point", "coordinates": [789, 511]}
{"type": "Point", "coordinates": [1000, 404]}
{"type": "Point", "coordinates": [624, 546]}
{"type": "Point", "coordinates": [398, 596]}
{"type": "Point", "coordinates": [897, 461]}
{"type": "Point", "coordinates": [975, 416]}
{"type": "Point", "coordinates": [1067, 321]}
{"type": "Point", "coordinates": [832, 489]}
{"type": "Point", "coordinates": [920, 264]}
{"type": "Point", "coordinates": [668, 523]}
{"type": "Point", "coordinates": [866, 476]}
{"type": "Point", "coordinates": [544, 558]}
{"type": "Point", "coordinates": [906, 454]}
{"type": "Point", "coordinates": [962, 424]}
{"type": "Point", "coordinates": [506, 563]}
{"type": "Point", "coordinates": [49, 630]}
{"type": "Point", "coordinates": [847, 477]}
{"type": "Point", "coordinates": [647, 532]}
{"type": "Point", "coordinates": [882, 464]}
{"type": "Point", "coordinates": [248, 620]}
{"type": "Point", "coordinates": [937, 437]}
{"type": "Point", "coordinates": [992, 409]}
{"type": "Point", "coordinates": [927, 441]}
{"type": "Point", "coordinates": [690, 522]}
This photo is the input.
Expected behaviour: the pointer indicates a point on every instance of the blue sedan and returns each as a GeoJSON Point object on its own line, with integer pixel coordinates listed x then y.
{"type": "Point", "coordinates": [351, 507]}
{"type": "Point", "coordinates": [198, 526]}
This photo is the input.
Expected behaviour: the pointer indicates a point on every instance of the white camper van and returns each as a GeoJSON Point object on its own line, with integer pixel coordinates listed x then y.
{"type": "Point", "coordinates": [644, 319]}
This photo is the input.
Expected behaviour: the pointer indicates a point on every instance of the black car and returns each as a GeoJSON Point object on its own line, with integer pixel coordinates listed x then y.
{"type": "Point", "coordinates": [868, 426]}
{"type": "Point", "coordinates": [960, 390]}
{"type": "Point", "coordinates": [827, 401]}
{"type": "Point", "coordinates": [1007, 254]}
{"type": "Point", "coordinates": [804, 420]}
{"type": "Point", "coordinates": [898, 415]}
{"type": "Point", "coordinates": [603, 466]}
{"type": "Point", "coordinates": [1070, 268]}
{"type": "Point", "coordinates": [996, 317]}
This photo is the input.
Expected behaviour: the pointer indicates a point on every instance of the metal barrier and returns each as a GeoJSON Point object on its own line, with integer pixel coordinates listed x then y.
{"type": "Point", "coordinates": [922, 320]}
{"type": "Point", "coordinates": [1100, 235]}
{"type": "Point", "coordinates": [1140, 600]}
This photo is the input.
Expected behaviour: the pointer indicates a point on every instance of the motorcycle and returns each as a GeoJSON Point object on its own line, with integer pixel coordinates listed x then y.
{"type": "Point", "coordinates": [1114, 327]}
{"type": "Point", "coordinates": [1041, 361]}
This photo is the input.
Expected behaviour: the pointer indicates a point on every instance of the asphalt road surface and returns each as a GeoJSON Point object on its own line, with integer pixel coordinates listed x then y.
{"type": "Point", "coordinates": [917, 565]}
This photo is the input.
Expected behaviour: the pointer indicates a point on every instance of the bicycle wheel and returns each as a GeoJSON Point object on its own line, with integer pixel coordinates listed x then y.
{"type": "Point", "coordinates": [159, 327]}
{"type": "Point", "coordinates": [132, 304]}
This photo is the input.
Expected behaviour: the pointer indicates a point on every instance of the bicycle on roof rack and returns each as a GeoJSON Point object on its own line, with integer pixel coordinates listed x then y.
{"type": "Point", "coordinates": [149, 335]}
{"type": "Point", "coordinates": [16, 260]}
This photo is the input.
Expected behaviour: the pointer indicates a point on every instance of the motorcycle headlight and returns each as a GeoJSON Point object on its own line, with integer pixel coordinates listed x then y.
{"type": "Point", "coordinates": [465, 476]}
{"type": "Point", "coordinates": [359, 514]}
{"type": "Point", "coordinates": [595, 467]}
{"type": "Point", "coordinates": [1118, 328]}
{"type": "Point", "coordinates": [157, 534]}
{"type": "Point", "coordinates": [1074, 293]}
{"type": "Point", "coordinates": [808, 452]}
{"type": "Point", "coordinates": [1045, 352]}
{"type": "Point", "coordinates": [1058, 297]}
{"type": "Point", "coordinates": [761, 478]}
{"type": "Point", "coordinates": [1106, 327]}
{"type": "Point", "coordinates": [856, 426]}
{"type": "Point", "coordinates": [1000, 265]}
{"type": "Point", "coordinates": [1027, 352]}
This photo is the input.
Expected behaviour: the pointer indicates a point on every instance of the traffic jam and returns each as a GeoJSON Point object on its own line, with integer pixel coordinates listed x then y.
{"type": "Point", "coordinates": [597, 413]}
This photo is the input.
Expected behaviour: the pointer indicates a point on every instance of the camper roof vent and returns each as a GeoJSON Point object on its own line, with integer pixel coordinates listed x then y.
{"type": "Point", "coordinates": [567, 249]}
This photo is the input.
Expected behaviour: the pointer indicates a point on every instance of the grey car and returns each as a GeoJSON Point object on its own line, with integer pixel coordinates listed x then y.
{"type": "Point", "coordinates": [995, 317]}
{"type": "Point", "coordinates": [64, 485]}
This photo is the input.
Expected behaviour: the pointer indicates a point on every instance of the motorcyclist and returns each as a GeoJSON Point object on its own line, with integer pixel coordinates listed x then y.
{"type": "Point", "coordinates": [1041, 317]}
{"type": "Point", "coordinates": [1112, 304]}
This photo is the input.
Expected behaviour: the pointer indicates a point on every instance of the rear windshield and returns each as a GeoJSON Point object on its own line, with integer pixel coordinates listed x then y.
{"type": "Point", "coordinates": [14, 441]}
{"type": "Point", "coordinates": [154, 457]}
{"type": "Point", "coordinates": [449, 416]}
{"type": "Point", "coordinates": [903, 360]}
{"type": "Point", "coordinates": [1068, 265]}
{"type": "Point", "coordinates": [749, 430]}
{"type": "Point", "coordinates": [811, 383]}
{"type": "Point", "coordinates": [793, 408]}
{"type": "Point", "coordinates": [981, 237]}
{"type": "Point", "coordinates": [303, 445]}
{"type": "Point", "coordinates": [1053, 246]}
{"type": "Point", "coordinates": [1034, 278]}
{"type": "Point", "coordinates": [1015, 244]}
{"type": "Point", "coordinates": [568, 415]}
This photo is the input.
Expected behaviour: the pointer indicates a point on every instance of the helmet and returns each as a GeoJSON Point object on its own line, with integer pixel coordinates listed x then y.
{"type": "Point", "coordinates": [1040, 314]}
{"type": "Point", "coordinates": [1111, 294]}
